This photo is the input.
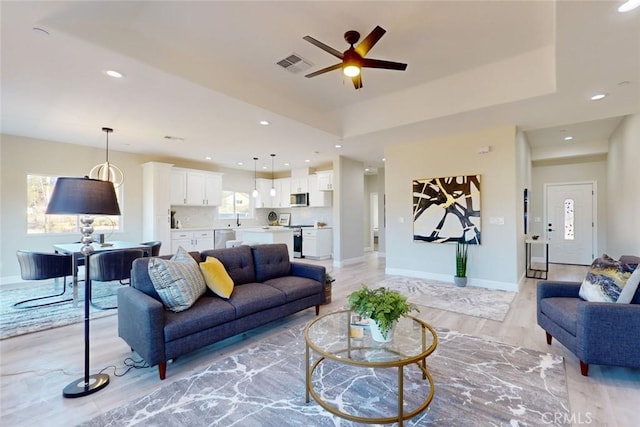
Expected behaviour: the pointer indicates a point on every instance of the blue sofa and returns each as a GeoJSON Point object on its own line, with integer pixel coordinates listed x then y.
{"type": "Point", "coordinates": [596, 332]}
{"type": "Point", "coordinates": [267, 286]}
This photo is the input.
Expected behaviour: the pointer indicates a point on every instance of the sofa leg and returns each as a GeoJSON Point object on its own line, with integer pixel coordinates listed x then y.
{"type": "Point", "coordinates": [584, 368]}
{"type": "Point", "coordinates": [162, 370]}
{"type": "Point", "coordinates": [317, 309]}
{"type": "Point", "coordinates": [549, 337]}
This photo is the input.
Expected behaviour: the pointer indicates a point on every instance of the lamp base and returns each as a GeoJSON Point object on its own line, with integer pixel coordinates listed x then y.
{"type": "Point", "coordinates": [79, 388]}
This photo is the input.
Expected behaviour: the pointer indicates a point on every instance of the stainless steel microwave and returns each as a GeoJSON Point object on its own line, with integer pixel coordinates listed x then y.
{"type": "Point", "coordinates": [300, 199]}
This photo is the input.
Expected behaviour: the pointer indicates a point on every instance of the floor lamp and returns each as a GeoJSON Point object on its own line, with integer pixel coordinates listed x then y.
{"type": "Point", "coordinates": [86, 197]}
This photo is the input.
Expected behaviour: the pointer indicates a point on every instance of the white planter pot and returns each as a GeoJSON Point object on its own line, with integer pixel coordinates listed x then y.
{"type": "Point", "coordinates": [377, 335]}
{"type": "Point", "coordinates": [460, 281]}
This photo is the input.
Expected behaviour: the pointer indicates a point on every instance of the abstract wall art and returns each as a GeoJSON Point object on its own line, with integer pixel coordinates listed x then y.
{"type": "Point", "coordinates": [447, 209]}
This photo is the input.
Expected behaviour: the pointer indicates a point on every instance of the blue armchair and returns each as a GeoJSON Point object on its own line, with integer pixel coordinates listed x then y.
{"type": "Point", "coordinates": [597, 333]}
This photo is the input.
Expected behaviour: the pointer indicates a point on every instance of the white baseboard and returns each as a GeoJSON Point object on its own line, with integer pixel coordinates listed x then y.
{"type": "Point", "coordinates": [350, 261]}
{"type": "Point", "coordinates": [480, 283]}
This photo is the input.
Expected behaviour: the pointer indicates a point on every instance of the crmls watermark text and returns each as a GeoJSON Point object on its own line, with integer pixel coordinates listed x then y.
{"type": "Point", "coordinates": [573, 418]}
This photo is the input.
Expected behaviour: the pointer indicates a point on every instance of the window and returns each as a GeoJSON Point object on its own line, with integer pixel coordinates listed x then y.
{"type": "Point", "coordinates": [39, 189]}
{"type": "Point", "coordinates": [569, 232]}
{"type": "Point", "coordinates": [235, 203]}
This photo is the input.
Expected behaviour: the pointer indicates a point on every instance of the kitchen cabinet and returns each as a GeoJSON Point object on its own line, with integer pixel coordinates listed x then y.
{"type": "Point", "coordinates": [325, 180]}
{"type": "Point", "coordinates": [192, 240]}
{"type": "Point", "coordinates": [156, 204]}
{"type": "Point", "coordinates": [191, 187]}
{"type": "Point", "coordinates": [299, 184]}
{"type": "Point", "coordinates": [264, 199]}
{"type": "Point", "coordinates": [283, 193]}
{"type": "Point", "coordinates": [317, 198]}
{"type": "Point", "coordinates": [317, 243]}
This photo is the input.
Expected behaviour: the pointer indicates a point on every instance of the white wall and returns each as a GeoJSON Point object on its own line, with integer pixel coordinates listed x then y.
{"type": "Point", "coordinates": [495, 262]}
{"type": "Point", "coordinates": [348, 211]}
{"type": "Point", "coordinates": [623, 222]}
{"type": "Point", "coordinates": [569, 173]}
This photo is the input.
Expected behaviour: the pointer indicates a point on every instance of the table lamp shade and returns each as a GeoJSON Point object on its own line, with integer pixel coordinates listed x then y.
{"type": "Point", "coordinates": [77, 196]}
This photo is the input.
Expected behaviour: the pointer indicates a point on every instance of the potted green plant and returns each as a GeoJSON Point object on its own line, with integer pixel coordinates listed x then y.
{"type": "Point", "coordinates": [383, 307]}
{"type": "Point", "coordinates": [460, 279]}
{"type": "Point", "coordinates": [328, 282]}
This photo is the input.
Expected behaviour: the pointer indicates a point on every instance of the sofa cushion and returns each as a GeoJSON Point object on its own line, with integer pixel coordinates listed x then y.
{"type": "Point", "coordinates": [216, 277]}
{"type": "Point", "coordinates": [605, 280]}
{"type": "Point", "coordinates": [271, 261]}
{"type": "Point", "coordinates": [237, 261]}
{"type": "Point", "coordinates": [253, 297]}
{"type": "Point", "coordinates": [295, 288]}
{"type": "Point", "coordinates": [630, 288]}
{"type": "Point", "coordinates": [563, 311]}
{"type": "Point", "coordinates": [178, 281]}
{"type": "Point", "coordinates": [207, 312]}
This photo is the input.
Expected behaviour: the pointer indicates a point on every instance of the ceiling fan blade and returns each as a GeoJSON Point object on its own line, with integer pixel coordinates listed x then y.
{"type": "Point", "coordinates": [357, 81]}
{"type": "Point", "coordinates": [379, 63]}
{"type": "Point", "coordinates": [324, 70]}
{"type": "Point", "coordinates": [323, 46]}
{"type": "Point", "coordinates": [365, 45]}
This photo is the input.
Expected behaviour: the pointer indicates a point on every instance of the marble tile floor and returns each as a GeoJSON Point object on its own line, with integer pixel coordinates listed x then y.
{"type": "Point", "coordinates": [34, 368]}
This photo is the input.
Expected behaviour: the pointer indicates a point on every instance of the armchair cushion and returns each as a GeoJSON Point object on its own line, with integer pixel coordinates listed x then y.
{"type": "Point", "coordinates": [564, 311]}
{"type": "Point", "coordinates": [630, 287]}
{"type": "Point", "coordinates": [605, 280]}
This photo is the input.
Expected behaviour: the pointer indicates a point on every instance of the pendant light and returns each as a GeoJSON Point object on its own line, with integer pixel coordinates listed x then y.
{"type": "Point", "coordinates": [106, 171]}
{"type": "Point", "coordinates": [272, 193]}
{"type": "Point", "coordinates": [255, 180]}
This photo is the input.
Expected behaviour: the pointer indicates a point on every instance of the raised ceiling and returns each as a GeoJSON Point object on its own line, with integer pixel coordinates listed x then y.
{"type": "Point", "coordinates": [205, 72]}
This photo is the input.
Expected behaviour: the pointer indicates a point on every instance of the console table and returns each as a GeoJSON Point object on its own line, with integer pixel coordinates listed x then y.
{"type": "Point", "coordinates": [534, 273]}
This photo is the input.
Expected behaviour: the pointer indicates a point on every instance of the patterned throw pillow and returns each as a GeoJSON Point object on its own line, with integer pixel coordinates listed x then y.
{"type": "Point", "coordinates": [178, 281]}
{"type": "Point", "coordinates": [630, 288]}
{"type": "Point", "coordinates": [216, 277]}
{"type": "Point", "coordinates": [605, 280]}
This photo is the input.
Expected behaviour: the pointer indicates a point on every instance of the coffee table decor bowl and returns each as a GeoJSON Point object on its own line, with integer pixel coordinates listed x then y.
{"type": "Point", "coordinates": [343, 340]}
{"type": "Point", "coordinates": [383, 306]}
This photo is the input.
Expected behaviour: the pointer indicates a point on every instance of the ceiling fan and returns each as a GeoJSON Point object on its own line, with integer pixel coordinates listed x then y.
{"type": "Point", "coordinates": [353, 59]}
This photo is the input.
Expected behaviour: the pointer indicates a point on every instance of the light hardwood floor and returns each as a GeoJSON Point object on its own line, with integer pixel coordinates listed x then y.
{"type": "Point", "coordinates": [36, 367]}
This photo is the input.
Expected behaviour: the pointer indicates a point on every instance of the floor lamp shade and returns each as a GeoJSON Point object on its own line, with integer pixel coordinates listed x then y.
{"type": "Point", "coordinates": [86, 197]}
{"type": "Point", "coordinates": [83, 196]}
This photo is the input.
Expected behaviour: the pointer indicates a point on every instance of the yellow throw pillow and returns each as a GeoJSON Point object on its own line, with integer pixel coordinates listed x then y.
{"type": "Point", "coordinates": [216, 277]}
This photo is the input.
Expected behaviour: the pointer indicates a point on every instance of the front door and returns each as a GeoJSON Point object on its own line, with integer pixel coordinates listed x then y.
{"type": "Point", "coordinates": [569, 223]}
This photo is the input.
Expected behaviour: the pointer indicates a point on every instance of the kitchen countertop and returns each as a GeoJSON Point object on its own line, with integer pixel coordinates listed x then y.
{"type": "Point", "coordinates": [267, 229]}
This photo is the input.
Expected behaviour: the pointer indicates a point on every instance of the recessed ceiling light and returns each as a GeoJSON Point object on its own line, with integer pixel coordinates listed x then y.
{"type": "Point", "coordinates": [264, 167]}
{"type": "Point", "coordinates": [307, 161]}
{"type": "Point", "coordinates": [265, 122]}
{"type": "Point", "coordinates": [568, 138]}
{"type": "Point", "coordinates": [629, 5]}
{"type": "Point", "coordinates": [286, 164]}
{"type": "Point", "coordinates": [240, 163]}
{"type": "Point", "coordinates": [598, 96]}
{"type": "Point", "coordinates": [207, 158]}
{"type": "Point", "coordinates": [338, 146]}
{"type": "Point", "coordinates": [114, 74]}
{"type": "Point", "coordinates": [366, 169]}
{"type": "Point", "coordinates": [384, 159]}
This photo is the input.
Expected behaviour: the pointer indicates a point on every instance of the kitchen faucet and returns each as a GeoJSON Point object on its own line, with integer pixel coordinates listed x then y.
{"type": "Point", "coordinates": [238, 220]}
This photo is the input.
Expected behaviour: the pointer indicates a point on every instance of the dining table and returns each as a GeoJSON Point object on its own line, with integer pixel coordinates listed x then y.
{"type": "Point", "coordinates": [75, 251]}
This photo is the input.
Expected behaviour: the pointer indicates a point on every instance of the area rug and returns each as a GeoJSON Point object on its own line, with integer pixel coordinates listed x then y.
{"type": "Point", "coordinates": [477, 382]}
{"type": "Point", "coordinates": [19, 321]}
{"type": "Point", "coordinates": [473, 301]}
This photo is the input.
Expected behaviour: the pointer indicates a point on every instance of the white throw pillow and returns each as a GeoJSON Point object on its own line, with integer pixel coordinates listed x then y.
{"type": "Point", "coordinates": [630, 288]}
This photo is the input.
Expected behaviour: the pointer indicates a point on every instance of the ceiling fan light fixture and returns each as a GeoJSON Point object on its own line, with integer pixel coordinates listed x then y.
{"type": "Point", "coordinates": [351, 70]}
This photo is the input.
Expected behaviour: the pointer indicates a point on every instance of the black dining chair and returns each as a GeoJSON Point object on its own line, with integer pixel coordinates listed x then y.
{"type": "Point", "coordinates": [155, 247]}
{"type": "Point", "coordinates": [113, 265]}
{"type": "Point", "coordinates": [41, 266]}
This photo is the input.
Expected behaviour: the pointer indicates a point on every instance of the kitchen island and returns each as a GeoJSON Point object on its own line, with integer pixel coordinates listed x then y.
{"type": "Point", "coordinates": [270, 234]}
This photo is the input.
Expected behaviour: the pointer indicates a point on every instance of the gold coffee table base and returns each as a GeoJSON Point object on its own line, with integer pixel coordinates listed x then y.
{"type": "Point", "coordinates": [401, 360]}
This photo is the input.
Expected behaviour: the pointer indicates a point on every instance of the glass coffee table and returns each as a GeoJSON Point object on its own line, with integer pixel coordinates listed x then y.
{"type": "Point", "coordinates": [340, 337]}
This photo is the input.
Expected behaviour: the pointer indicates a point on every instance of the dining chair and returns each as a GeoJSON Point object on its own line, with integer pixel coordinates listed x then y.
{"type": "Point", "coordinates": [107, 266]}
{"type": "Point", "coordinates": [155, 247]}
{"type": "Point", "coordinates": [41, 266]}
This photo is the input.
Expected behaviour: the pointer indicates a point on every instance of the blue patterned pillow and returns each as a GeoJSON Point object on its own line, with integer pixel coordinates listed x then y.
{"type": "Point", "coordinates": [179, 281]}
{"type": "Point", "coordinates": [605, 280]}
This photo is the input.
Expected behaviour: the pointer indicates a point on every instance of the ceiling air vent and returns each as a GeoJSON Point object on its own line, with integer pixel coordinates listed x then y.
{"type": "Point", "coordinates": [294, 63]}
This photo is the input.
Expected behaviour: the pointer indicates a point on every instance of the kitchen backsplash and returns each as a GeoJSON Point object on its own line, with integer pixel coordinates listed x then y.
{"type": "Point", "coordinates": [206, 217]}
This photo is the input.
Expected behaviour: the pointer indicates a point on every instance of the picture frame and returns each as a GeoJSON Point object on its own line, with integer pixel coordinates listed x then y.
{"type": "Point", "coordinates": [284, 219]}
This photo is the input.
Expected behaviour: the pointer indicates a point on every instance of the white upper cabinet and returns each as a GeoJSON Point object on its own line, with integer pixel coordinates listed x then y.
{"type": "Point", "coordinates": [195, 188]}
{"type": "Point", "coordinates": [264, 197]}
{"type": "Point", "coordinates": [325, 180]}
{"type": "Point", "coordinates": [299, 185]}
{"type": "Point", "coordinates": [317, 198]}
{"type": "Point", "coordinates": [283, 193]}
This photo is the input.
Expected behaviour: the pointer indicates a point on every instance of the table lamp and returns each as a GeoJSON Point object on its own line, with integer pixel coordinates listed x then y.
{"type": "Point", "coordinates": [84, 196]}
